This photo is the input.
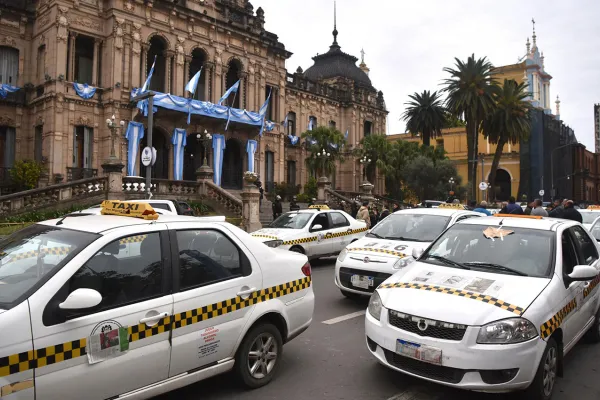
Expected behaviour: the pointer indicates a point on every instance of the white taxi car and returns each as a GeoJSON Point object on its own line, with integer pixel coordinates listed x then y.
{"type": "Point", "coordinates": [493, 305]}
{"type": "Point", "coordinates": [389, 246]}
{"type": "Point", "coordinates": [108, 306]}
{"type": "Point", "coordinates": [589, 215]}
{"type": "Point", "coordinates": [316, 232]}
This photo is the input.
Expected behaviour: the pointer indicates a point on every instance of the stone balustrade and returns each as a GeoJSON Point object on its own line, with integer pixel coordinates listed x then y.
{"type": "Point", "coordinates": [226, 199]}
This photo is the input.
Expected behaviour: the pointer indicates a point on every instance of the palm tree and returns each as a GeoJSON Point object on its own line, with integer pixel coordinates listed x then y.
{"type": "Point", "coordinates": [510, 121]}
{"type": "Point", "coordinates": [425, 115]}
{"type": "Point", "coordinates": [324, 145]}
{"type": "Point", "coordinates": [376, 148]}
{"type": "Point", "coordinates": [471, 89]}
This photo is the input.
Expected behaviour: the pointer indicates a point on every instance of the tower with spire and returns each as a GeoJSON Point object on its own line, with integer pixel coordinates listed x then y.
{"type": "Point", "coordinates": [537, 77]}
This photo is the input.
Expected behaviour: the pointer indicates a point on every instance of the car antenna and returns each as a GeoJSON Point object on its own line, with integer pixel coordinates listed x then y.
{"type": "Point", "coordinates": [500, 223]}
{"type": "Point", "coordinates": [61, 220]}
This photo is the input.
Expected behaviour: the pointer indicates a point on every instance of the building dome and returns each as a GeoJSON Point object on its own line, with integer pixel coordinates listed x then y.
{"type": "Point", "coordinates": [337, 64]}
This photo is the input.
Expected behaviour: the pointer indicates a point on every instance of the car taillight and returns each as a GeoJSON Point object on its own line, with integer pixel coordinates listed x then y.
{"type": "Point", "coordinates": [306, 269]}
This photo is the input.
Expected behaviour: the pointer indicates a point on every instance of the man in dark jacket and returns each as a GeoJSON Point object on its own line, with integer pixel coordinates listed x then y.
{"type": "Point", "coordinates": [395, 207]}
{"type": "Point", "coordinates": [558, 210]}
{"type": "Point", "coordinates": [277, 208]}
{"type": "Point", "coordinates": [570, 212]}
{"type": "Point", "coordinates": [384, 213]}
{"type": "Point", "coordinates": [513, 208]}
{"type": "Point", "coordinates": [354, 209]}
{"type": "Point", "coordinates": [294, 204]}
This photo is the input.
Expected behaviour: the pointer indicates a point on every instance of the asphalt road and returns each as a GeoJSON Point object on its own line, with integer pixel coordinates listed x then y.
{"type": "Point", "coordinates": [330, 361]}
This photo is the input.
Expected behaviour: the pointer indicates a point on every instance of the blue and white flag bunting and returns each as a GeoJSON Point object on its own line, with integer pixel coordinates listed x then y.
{"type": "Point", "coordinates": [84, 91]}
{"type": "Point", "coordinates": [192, 85]}
{"type": "Point", "coordinates": [218, 148]}
{"type": "Point", "coordinates": [346, 135]}
{"type": "Point", "coordinates": [135, 133]}
{"type": "Point", "coordinates": [311, 141]}
{"type": "Point", "coordinates": [293, 139]}
{"type": "Point", "coordinates": [5, 89]}
{"type": "Point", "coordinates": [232, 89]}
{"type": "Point", "coordinates": [179, 142]}
{"type": "Point", "coordinates": [333, 145]}
{"type": "Point", "coordinates": [149, 78]}
{"type": "Point", "coordinates": [251, 150]}
{"type": "Point", "coordinates": [286, 120]}
{"type": "Point", "coordinates": [263, 112]}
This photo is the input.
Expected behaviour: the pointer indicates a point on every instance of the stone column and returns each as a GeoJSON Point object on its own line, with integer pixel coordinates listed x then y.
{"type": "Point", "coordinates": [209, 67]}
{"type": "Point", "coordinates": [96, 59]}
{"type": "Point", "coordinates": [367, 189]}
{"type": "Point", "coordinates": [322, 184]}
{"type": "Point", "coordinates": [243, 91]}
{"type": "Point", "coordinates": [186, 72]}
{"type": "Point", "coordinates": [71, 61]}
{"type": "Point", "coordinates": [179, 81]}
{"type": "Point", "coordinates": [250, 207]}
{"type": "Point", "coordinates": [113, 168]}
{"type": "Point", "coordinates": [168, 65]}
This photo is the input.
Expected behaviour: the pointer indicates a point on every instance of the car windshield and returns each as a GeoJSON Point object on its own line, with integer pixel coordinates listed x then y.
{"type": "Point", "coordinates": [498, 249]}
{"type": "Point", "coordinates": [411, 227]}
{"type": "Point", "coordinates": [33, 253]}
{"type": "Point", "coordinates": [595, 231]}
{"type": "Point", "coordinates": [590, 216]}
{"type": "Point", "coordinates": [292, 220]}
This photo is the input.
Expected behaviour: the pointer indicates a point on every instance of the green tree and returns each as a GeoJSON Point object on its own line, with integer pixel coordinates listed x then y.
{"type": "Point", "coordinates": [510, 121]}
{"type": "Point", "coordinates": [26, 174]}
{"type": "Point", "coordinates": [426, 115]}
{"type": "Point", "coordinates": [452, 121]}
{"type": "Point", "coordinates": [429, 180]}
{"type": "Point", "coordinates": [375, 148]}
{"type": "Point", "coordinates": [471, 89]}
{"type": "Point", "coordinates": [323, 140]}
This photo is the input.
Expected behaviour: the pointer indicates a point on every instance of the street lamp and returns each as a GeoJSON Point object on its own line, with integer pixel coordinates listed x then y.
{"type": "Point", "coordinates": [205, 139]}
{"type": "Point", "coordinates": [365, 161]}
{"type": "Point", "coordinates": [112, 124]}
{"type": "Point", "coordinates": [553, 194]}
{"type": "Point", "coordinates": [451, 181]}
{"type": "Point", "coordinates": [323, 155]}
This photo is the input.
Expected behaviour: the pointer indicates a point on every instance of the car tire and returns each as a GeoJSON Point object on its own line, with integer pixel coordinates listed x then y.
{"type": "Point", "coordinates": [253, 355]}
{"type": "Point", "coordinates": [545, 378]}
{"type": "Point", "coordinates": [297, 249]}
{"type": "Point", "coordinates": [350, 295]}
{"type": "Point", "coordinates": [593, 335]}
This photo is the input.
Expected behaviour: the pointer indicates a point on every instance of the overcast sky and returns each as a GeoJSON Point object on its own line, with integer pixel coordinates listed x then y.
{"type": "Point", "coordinates": [408, 43]}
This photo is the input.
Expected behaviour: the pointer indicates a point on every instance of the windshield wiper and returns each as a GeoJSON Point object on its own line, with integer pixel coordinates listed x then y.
{"type": "Point", "coordinates": [406, 239]}
{"type": "Point", "coordinates": [496, 267]}
{"type": "Point", "coordinates": [448, 262]}
{"type": "Point", "coordinates": [376, 235]}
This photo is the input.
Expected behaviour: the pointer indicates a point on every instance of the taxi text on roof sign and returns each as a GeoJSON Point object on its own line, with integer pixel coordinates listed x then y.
{"type": "Point", "coordinates": [449, 205]}
{"type": "Point", "coordinates": [593, 207]}
{"type": "Point", "coordinates": [128, 209]}
{"type": "Point", "coordinates": [319, 207]}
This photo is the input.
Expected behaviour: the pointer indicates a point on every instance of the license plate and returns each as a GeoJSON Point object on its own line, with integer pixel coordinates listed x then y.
{"type": "Point", "coordinates": [363, 282]}
{"type": "Point", "coordinates": [419, 352]}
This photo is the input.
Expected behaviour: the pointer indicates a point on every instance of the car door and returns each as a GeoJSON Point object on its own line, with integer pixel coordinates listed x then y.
{"type": "Point", "coordinates": [130, 268]}
{"type": "Point", "coordinates": [587, 255]}
{"type": "Point", "coordinates": [322, 245]}
{"type": "Point", "coordinates": [340, 231]}
{"type": "Point", "coordinates": [572, 298]}
{"type": "Point", "coordinates": [214, 277]}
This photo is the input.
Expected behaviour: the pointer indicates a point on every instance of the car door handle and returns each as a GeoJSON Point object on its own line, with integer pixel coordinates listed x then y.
{"type": "Point", "coordinates": [154, 318]}
{"type": "Point", "coordinates": [246, 292]}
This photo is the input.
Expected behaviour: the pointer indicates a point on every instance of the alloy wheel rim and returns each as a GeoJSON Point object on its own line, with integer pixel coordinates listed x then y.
{"type": "Point", "coordinates": [549, 371]}
{"type": "Point", "coordinates": [262, 356]}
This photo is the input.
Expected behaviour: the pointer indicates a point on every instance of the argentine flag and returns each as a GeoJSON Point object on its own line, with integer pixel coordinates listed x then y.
{"type": "Point", "coordinates": [193, 83]}
{"type": "Point", "coordinates": [232, 89]}
{"type": "Point", "coordinates": [147, 83]}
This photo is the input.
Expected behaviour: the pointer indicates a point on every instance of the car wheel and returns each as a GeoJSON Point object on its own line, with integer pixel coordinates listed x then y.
{"type": "Point", "coordinates": [297, 249]}
{"type": "Point", "coordinates": [259, 356]}
{"type": "Point", "coordinates": [545, 377]}
{"type": "Point", "coordinates": [593, 335]}
{"type": "Point", "coordinates": [350, 295]}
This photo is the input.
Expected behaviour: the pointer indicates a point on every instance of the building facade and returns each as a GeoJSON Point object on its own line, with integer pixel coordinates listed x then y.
{"type": "Point", "coordinates": [48, 45]}
{"type": "Point", "coordinates": [597, 127]}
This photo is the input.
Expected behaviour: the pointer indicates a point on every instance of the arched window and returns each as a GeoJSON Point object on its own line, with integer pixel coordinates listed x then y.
{"type": "Point", "coordinates": [9, 65]}
{"type": "Point", "coordinates": [198, 60]}
{"type": "Point", "coordinates": [158, 46]}
{"type": "Point", "coordinates": [368, 127]}
{"type": "Point", "coordinates": [291, 124]}
{"type": "Point", "coordinates": [233, 75]}
{"type": "Point", "coordinates": [312, 123]}
{"type": "Point", "coordinates": [332, 124]}
{"type": "Point", "coordinates": [84, 59]}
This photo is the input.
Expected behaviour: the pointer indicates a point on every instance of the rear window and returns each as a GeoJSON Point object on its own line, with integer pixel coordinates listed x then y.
{"type": "Point", "coordinates": [162, 206]}
{"type": "Point", "coordinates": [30, 256]}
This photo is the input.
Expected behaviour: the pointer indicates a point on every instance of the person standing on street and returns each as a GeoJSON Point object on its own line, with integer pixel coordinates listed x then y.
{"type": "Point", "coordinates": [528, 209]}
{"type": "Point", "coordinates": [513, 208]}
{"type": "Point", "coordinates": [384, 213]}
{"type": "Point", "coordinates": [374, 215]}
{"type": "Point", "coordinates": [294, 204]}
{"type": "Point", "coordinates": [538, 210]}
{"type": "Point", "coordinates": [395, 207]}
{"type": "Point", "coordinates": [258, 184]}
{"type": "Point", "coordinates": [482, 208]}
{"type": "Point", "coordinates": [342, 206]}
{"type": "Point", "coordinates": [354, 209]}
{"type": "Point", "coordinates": [363, 214]}
{"type": "Point", "coordinates": [570, 212]}
{"type": "Point", "coordinates": [558, 210]}
{"type": "Point", "coordinates": [277, 207]}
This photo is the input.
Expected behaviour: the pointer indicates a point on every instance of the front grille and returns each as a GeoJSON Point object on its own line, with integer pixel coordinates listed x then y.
{"type": "Point", "coordinates": [426, 370]}
{"type": "Point", "coordinates": [435, 329]}
{"type": "Point", "coordinates": [346, 276]}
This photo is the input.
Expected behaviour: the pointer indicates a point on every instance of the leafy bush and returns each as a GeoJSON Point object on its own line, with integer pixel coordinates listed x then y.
{"type": "Point", "coordinates": [311, 188]}
{"type": "Point", "coordinates": [286, 190]}
{"type": "Point", "coordinates": [26, 174]}
{"type": "Point", "coordinates": [200, 208]}
{"type": "Point", "coordinates": [303, 198]}
{"type": "Point", "coordinates": [37, 216]}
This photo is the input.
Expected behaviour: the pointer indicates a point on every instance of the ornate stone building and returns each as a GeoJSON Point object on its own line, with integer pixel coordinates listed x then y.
{"type": "Point", "coordinates": [48, 45]}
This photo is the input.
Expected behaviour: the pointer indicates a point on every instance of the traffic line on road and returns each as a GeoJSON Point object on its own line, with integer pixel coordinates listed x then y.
{"type": "Point", "coordinates": [344, 317]}
{"type": "Point", "coordinates": [417, 394]}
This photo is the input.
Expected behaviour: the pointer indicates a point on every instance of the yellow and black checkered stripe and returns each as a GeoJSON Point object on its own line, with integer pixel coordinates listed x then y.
{"type": "Point", "coordinates": [54, 354]}
{"type": "Point", "coordinates": [457, 292]}
{"type": "Point", "coordinates": [133, 239]}
{"type": "Point", "coordinates": [590, 288]}
{"type": "Point", "coordinates": [266, 236]}
{"type": "Point", "coordinates": [325, 237]}
{"type": "Point", "coordinates": [554, 323]}
{"type": "Point", "coordinates": [383, 251]}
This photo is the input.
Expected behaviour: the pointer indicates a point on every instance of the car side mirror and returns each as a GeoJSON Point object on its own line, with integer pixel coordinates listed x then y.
{"type": "Point", "coordinates": [416, 253]}
{"type": "Point", "coordinates": [316, 227]}
{"type": "Point", "coordinates": [81, 299]}
{"type": "Point", "coordinates": [583, 273]}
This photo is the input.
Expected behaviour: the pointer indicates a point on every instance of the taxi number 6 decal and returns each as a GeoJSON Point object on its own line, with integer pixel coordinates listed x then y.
{"type": "Point", "coordinates": [400, 248]}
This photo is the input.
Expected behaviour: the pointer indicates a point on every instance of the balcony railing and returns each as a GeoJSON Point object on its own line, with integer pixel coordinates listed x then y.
{"type": "Point", "coordinates": [75, 174]}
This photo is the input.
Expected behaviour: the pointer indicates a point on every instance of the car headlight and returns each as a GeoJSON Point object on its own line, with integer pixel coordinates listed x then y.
{"type": "Point", "coordinates": [342, 255]}
{"type": "Point", "coordinates": [512, 330]}
{"type": "Point", "coordinates": [403, 262]}
{"type": "Point", "coordinates": [375, 306]}
{"type": "Point", "coordinates": [273, 243]}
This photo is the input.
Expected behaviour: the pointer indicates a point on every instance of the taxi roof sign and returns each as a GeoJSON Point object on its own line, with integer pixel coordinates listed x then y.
{"type": "Point", "coordinates": [128, 209]}
{"type": "Point", "coordinates": [456, 206]}
{"type": "Point", "coordinates": [319, 207]}
{"type": "Point", "coordinates": [593, 207]}
{"type": "Point", "coordinates": [518, 216]}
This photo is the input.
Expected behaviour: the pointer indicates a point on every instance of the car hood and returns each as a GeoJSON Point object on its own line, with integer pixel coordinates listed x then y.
{"type": "Point", "coordinates": [264, 235]}
{"type": "Point", "coordinates": [1, 311]}
{"type": "Point", "coordinates": [459, 296]}
{"type": "Point", "coordinates": [383, 248]}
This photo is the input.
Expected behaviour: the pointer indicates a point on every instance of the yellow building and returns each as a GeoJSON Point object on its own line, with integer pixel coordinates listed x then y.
{"type": "Point", "coordinates": [530, 70]}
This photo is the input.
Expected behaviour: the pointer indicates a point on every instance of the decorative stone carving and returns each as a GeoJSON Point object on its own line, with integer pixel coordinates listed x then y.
{"type": "Point", "coordinates": [44, 21]}
{"type": "Point", "coordinates": [190, 27]}
{"type": "Point", "coordinates": [148, 11]}
{"type": "Point", "coordinates": [137, 38]}
{"type": "Point", "coordinates": [118, 32]}
{"type": "Point", "coordinates": [180, 60]}
{"type": "Point", "coordinates": [129, 6]}
{"type": "Point", "coordinates": [84, 120]}
{"type": "Point", "coordinates": [87, 23]}
{"type": "Point", "coordinates": [63, 24]}
{"type": "Point", "coordinates": [8, 41]}
{"type": "Point", "coordinates": [6, 120]}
